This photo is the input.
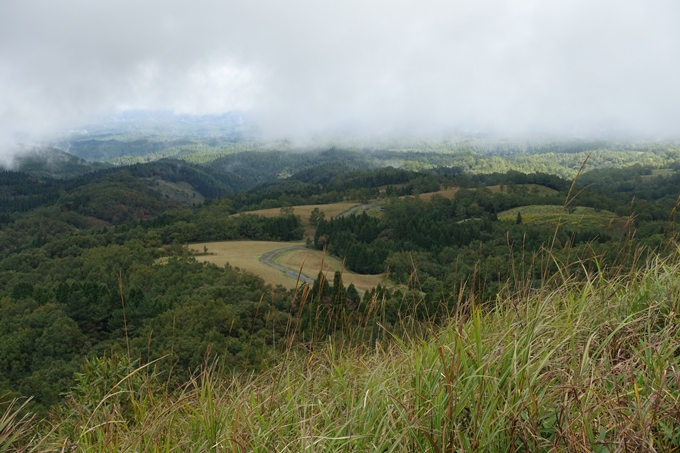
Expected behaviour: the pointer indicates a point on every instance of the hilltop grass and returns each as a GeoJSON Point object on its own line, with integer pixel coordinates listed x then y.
{"type": "Point", "coordinates": [588, 365]}
{"type": "Point", "coordinates": [551, 215]}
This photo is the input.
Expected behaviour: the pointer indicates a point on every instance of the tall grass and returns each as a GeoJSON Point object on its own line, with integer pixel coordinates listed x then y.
{"type": "Point", "coordinates": [584, 365]}
{"type": "Point", "coordinates": [14, 427]}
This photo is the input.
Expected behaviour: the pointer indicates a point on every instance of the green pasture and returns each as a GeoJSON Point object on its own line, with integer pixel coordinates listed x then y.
{"type": "Point", "coordinates": [577, 216]}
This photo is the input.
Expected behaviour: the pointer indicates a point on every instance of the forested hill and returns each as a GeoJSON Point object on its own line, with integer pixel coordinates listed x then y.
{"type": "Point", "coordinates": [70, 248]}
{"type": "Point", "coordinates": [239, 170]}
{"type": "Point", "coordinates": [40, 181]}
{"type": "Point", "coordinates": [54, 163]}
{"type": "Point", "coordinates": [259, 160]}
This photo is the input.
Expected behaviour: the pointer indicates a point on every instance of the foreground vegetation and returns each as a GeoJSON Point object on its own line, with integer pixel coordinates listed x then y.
{"type": "Point", "coordinates": [573, 366]}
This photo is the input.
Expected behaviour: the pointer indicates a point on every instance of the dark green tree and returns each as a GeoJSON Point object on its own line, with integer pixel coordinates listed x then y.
{"type": "Point", "coordinates": [316, 216]}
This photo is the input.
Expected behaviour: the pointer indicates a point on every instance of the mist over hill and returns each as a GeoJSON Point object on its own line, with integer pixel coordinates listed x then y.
{"type": "Point", "coordinates": [167, 123]}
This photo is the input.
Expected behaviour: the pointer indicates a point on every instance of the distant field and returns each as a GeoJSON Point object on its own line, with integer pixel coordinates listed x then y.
{"type": "Point", "coordinates": [334, 209]}
{"type": "Point", "coordinates": [450, 192]}
{"type": "Point", "coordinates": [247, 254]}
{"type": "Point", "coordinates": [330, 210]}
{"type": "Point", "coordinates": [551, 214]}
{"type": "Point", "coordinates": [446, 193]}
{"type": "Point", "coordinates": [312, 260]}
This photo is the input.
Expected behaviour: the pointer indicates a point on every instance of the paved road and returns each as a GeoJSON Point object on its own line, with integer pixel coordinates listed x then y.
{"type": "Point", "coordinates": [366, 206]}
{"type": "Point", "coordinates": [293, 274]}
{"type": "Point", "coordinates": [266, 258]}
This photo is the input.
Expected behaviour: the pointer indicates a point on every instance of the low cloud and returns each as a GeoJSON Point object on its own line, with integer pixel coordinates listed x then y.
{"type": "Point", "coordinates": [304, 68]}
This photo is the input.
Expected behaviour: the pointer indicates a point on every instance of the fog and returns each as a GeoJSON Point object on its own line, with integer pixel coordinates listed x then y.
{"type": "Point", "coordinates": [365, 69]}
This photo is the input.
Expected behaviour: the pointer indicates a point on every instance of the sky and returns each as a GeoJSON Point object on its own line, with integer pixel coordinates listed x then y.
{"type": "Point", "coordinates": [574, 68]}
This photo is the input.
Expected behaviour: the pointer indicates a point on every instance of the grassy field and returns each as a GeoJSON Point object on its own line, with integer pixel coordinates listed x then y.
{"type": "Point", "coordinates": [450, 192]}
{"type": "Point", "coordinates": [446, 193]}
{"type": "Point", "coordinates": [334, 209]}
{"type": "Point", "coordinates": [330, 210]}
{"type": "Point", "coordinates": [246, 255]}
{"type": "Point", "coordinates": [315, 260]}
{"type": "Point", "coordinates": [551, 214]}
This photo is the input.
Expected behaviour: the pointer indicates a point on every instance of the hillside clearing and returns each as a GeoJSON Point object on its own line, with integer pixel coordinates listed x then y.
{"type": "Point", "coordinates": [450, 192]}
{"type": "Point", "coordinates": [330, 210]}
{"type": "Point", "coordinates": [580, 216]}
{"type": "Point", "coordinates": [246, 255]}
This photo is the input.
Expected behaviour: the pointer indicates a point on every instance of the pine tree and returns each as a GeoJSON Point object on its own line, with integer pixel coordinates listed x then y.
{"type": "Point", "coordinates": [338, 289]}
{"type": "Point", "coordinates": [352, 297]}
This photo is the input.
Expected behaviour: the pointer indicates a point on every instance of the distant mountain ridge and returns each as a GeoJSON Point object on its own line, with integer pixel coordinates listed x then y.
{"type": "Point", "coordinates": [169, 124]}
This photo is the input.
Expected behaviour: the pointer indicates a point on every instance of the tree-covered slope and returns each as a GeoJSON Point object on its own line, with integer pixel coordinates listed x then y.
{"type": "Point", "coordinates": [578, 365]}
{"type": "Point", "coordinates": [64, 261]}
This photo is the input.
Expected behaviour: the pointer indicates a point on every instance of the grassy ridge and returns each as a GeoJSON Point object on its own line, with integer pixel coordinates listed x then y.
{"type": "Point", "coordinates": [575, 366]}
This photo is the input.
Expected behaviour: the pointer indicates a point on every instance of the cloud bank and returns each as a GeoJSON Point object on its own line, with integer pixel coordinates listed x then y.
{"type": "Point", "coordinates": [366, 68]}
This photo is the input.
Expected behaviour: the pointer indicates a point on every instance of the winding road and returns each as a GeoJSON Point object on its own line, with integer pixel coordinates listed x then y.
{"type": "Point", "coordinates": [266, 258]}
{"type": "Point", "coordinates": [365, 207]}
{"type": "Point", "coordinates": [293, 274]}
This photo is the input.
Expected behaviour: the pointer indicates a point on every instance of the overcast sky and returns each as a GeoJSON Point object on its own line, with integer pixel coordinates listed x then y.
{"type": "Point", "coordinates": [361, 67]}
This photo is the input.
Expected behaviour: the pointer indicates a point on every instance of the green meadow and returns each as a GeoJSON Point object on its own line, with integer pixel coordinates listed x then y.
{"type": "Point", "coordinates": [551, 215]}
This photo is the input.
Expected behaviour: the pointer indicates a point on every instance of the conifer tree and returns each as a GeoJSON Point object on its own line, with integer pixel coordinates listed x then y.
{"type": "Point", "coordinates": [338, 289]}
